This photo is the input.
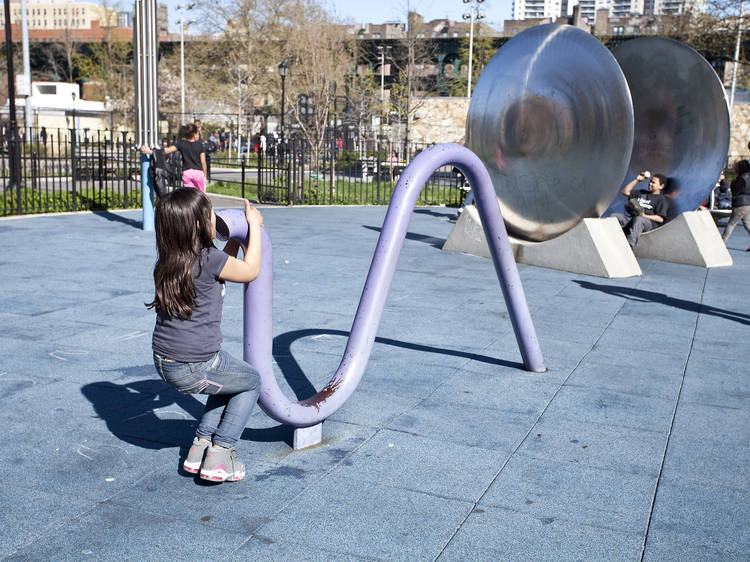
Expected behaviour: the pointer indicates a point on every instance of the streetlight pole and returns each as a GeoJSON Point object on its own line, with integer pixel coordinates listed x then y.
{"type": "Point", "coordinates": [381, 50]}
{"type": "Point", "coordinates": [736, 57]}
{"type": "Point", "coordinates": [472, 14]}
{"type": "Point", "coordinates": [14, 154]}
{"type": "Point", "coordinates": [283, 66]}
{"type": "Point", "coordinates": [182, 67]}
{"type": "Point", "coordinates": [182, 57]}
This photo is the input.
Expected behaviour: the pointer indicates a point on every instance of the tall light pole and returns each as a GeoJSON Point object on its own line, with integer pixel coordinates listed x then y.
{"type": "Point", "coordinates": [472, 14]}
{"type": "Point", "coordinates": [382, 49]}
{"type": "Point", "coordinates": [183, 9]}
{"type": "Point", "coordinates": [736, 57]}
{"type": "Point", "coordinates": [283, 66]}
{"type": "Point", "coordinates": [27, 137]}
{"type": "Point", "coordinates": [14, 154]}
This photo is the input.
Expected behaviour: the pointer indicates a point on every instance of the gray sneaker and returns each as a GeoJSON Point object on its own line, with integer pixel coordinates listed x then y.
{"type": "Point", "coordinates": [220, 466]}
{"type": "Point", "coordinates": [195, 455]}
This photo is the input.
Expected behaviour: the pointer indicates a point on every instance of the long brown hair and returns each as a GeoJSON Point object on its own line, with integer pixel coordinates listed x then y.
{"type": "Point", "coordinates": [183, 228]}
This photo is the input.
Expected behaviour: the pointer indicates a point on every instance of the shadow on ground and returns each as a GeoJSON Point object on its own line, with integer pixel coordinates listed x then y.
{"type": "Point", "coordinates": [661, 298]}
{"type": "Point", "coordinates": [118, 218]}
{"type": "Point", "coordinates": [130, 409]}
{"type": "Point", "coordinates": [432, 240]}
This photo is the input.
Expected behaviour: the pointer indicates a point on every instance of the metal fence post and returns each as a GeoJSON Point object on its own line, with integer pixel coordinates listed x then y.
{"type": "Point", "coordinates": [127, 162]}
{"type": "Point", "coordinates": [288, 174]}
{"type": "Point", "coordinates": [73, 171]}
{"type": "Point", "coordinates": [260, 171]}
{"type": "Point", "coordinates": [333, 172]}
{"type": "Point", "coordinates": [377, 173]}
{"type": "Point", "coordinates": [242, 168]}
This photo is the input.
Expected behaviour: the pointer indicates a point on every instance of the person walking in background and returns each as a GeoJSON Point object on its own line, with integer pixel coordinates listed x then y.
{"type": "Point", "coordinates": [189, 281]}
{"type": "Point", "coordinates": [740, 188]}
{"type": "Point", "coordinates": [194, 167]}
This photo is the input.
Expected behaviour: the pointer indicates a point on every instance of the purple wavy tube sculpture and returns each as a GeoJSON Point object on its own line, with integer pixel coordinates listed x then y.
{"type": "Point", "coordinates": [258, 337]}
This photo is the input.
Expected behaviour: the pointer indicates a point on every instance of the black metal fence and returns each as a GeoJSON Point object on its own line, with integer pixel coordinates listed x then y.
{"type": "Point", "coordinates": [296, 173]}
{"type": "Point", "coordinates": [72, 170]}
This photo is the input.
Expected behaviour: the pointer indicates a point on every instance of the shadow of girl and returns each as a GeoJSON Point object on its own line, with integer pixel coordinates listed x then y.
{"type": "Point", "coordinates": [153, 415]}
{"type": "Point", "coordinates": [146, 413]}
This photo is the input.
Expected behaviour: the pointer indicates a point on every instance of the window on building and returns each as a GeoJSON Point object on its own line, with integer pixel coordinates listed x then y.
{"type": "Point", "coordinates": [618, 30]}
{"type": "Point", "coordinates": [47, 89]}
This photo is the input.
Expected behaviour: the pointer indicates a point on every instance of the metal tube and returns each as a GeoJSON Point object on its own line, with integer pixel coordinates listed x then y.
{"type": "Point", "coordinates": [471, 50]}
{"type": "Point", "coordinates": [736, 57]}
{"type": "Point", "coordinates": [257, 342]}
{"type": "Point", "coordinates": [182, 68]}
{"type": "Point", "coordinates": [28, 136]}
{"type": "Point", "coordinates": [14, 153]}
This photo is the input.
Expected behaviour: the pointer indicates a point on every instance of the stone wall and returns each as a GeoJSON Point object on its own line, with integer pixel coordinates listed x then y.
{"type": "Point", "coordinates": [439, 120]}
{"type": "Point", "coordinates": [740, 131]}
{"type": "Point", "coordinates": [443, 119]}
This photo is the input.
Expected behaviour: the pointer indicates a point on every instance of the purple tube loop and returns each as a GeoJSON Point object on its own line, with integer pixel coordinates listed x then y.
{"type": "Point", "coordinates": [257, 336]}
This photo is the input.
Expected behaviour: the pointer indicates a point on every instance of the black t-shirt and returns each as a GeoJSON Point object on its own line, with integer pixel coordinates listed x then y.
{"type": "Point", "coordinates": [652, 204]}
{"type": "Point", "coordinates": [196, 338]}
{"type": "Point", "coordinates": [740, 191]}
{"type": "Point", "coordinates": [191, 154]}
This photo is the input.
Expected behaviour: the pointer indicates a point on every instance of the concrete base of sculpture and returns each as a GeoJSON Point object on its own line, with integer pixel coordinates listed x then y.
{"type": "Point", "coordinates": [307, 436]}
{"type": "Point", "coordinates": [691, 238]}
{"type": "Point", "coordinates": [593, 247]}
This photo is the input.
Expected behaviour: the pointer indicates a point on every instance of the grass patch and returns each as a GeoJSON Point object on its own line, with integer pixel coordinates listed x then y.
{"type": "Point", "coordinates": [33, 201]}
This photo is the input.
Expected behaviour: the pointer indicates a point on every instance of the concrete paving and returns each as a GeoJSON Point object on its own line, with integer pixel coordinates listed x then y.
{"type": "Point", "coordinates": [634, 445]}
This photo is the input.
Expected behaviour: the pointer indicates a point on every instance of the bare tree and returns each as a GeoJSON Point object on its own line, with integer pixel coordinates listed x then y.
{"type": "Point", "coordinates": [363, 99]}
{"type": "Point", "coordinates": [413, 60]}
{"type": "Point", "coordinates": [108, 62]}
{"type": "Point", "coordinates": [242, 60]}
{"type": "Point", "coordinates": [320, 54]}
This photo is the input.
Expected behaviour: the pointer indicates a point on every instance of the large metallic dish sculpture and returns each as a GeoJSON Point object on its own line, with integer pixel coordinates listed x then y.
{"type": "Point", "coordinates": [682, 123]}
{"type": "Point", "coordinates": [551, 118]}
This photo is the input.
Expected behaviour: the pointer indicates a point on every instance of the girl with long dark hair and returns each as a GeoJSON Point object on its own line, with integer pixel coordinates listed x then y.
{"type": "Point", "coordinates": [189, 281]}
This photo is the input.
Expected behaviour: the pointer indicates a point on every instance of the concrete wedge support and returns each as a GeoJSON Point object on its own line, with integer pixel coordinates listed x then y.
{"type": "Point", "coordinates": [691, 238]}
{"type": "Point", "coordinates": [593, 247]}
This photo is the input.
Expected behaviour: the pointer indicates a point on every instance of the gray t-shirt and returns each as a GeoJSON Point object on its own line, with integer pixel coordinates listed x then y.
{"type": "Point", "coordinates": [196, 338]}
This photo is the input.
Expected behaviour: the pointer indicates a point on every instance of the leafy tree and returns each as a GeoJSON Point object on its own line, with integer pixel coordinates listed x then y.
{"type": "Point", "coordinates": [484, 49]}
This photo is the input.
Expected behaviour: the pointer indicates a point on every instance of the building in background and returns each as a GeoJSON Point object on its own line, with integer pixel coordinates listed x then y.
{"type": "Point", "coordinates": [62, 20]}
{"type": "Point", "coordinates": [552, 9]}
{"type": "Point", "coordinates": [58, 105]}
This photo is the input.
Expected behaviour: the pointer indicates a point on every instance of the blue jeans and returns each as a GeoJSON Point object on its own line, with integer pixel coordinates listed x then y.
{"type": "Point", "coordinates": [634, 226]}
{"type": "Point", "coordinates": [232, 386]}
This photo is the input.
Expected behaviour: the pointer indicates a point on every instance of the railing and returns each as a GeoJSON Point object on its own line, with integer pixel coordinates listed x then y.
{"type": "Point", "coordinates": [73, 170]}
{"type": "Point", "coordinates": [293, 174]}
{"type": "Point", "coordinates": [70, 170]}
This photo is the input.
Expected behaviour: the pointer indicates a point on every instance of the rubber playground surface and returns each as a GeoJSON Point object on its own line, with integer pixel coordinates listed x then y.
{"type": "Point", "coordinates": [635, 444]}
